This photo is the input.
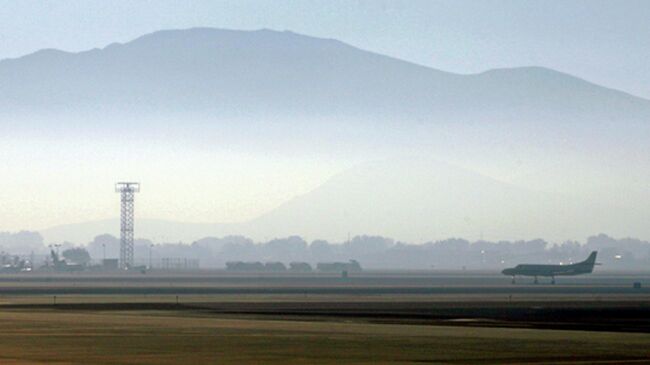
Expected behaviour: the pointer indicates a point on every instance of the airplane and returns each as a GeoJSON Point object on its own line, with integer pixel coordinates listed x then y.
{"type": "Point", "coordinates": [584, 267]}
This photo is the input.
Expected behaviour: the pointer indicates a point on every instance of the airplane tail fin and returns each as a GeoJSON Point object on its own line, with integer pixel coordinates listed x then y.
{"type": "Point", "coordinates": [591, 261]}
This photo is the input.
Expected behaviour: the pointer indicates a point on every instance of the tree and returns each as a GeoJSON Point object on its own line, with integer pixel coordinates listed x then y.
{"type": "Point", "coordinates": [77, 255]}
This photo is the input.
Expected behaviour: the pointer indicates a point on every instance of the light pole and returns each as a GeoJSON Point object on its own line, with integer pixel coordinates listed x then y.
{"type": "Point", "coordinates": [150, 249]}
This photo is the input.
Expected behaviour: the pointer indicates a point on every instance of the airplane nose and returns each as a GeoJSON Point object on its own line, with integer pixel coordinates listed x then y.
{"type": "Point", "coordinates": [507, 272]}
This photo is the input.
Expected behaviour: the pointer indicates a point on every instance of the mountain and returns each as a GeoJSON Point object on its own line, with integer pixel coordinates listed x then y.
{"type": "Point", "coordinates": [252, 73]}
{"type": "Point", "coordinates": [202, 113]}
{"type": "Point", "coordinates": [420, 200]}
{"type": "Point", "coordinates": [411, 200]}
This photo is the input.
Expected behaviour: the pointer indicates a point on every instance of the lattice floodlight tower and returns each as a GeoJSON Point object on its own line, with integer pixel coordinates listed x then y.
{"type": "Point", "coordinates": [127, 191]}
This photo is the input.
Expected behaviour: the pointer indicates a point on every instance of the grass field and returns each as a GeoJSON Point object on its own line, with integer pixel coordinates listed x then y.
{"type": "Point", "coordinates": [314, 320]}
{"type": "Point", "coordinates": [185, 337]}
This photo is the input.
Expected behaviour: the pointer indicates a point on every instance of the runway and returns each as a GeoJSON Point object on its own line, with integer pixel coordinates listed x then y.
{"type": "Point", "coordinates": [599, 302]}
{"type": "Point", "coordinates": [370, 283]}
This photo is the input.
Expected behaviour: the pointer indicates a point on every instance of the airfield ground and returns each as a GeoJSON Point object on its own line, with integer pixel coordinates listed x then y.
{"type": "Point", "coordinates": [368, 319]}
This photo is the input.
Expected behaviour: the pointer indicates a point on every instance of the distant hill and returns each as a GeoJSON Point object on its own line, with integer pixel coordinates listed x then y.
{"type": "Point", "coordinates": [415, 201]}
{"type": "Point", "coordinates": [157, 230]}
{"type": "Point", "coordinates": [422, 200]}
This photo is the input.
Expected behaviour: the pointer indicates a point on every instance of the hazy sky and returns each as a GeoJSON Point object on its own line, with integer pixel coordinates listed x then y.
{"type": "Point", "coordinates": [607, 42]}
{"type": "Point", "coordinates": [47, 182]}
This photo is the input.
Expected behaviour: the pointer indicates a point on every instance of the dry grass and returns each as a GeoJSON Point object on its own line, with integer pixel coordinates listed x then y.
{"type": "Point", "coordinates": [64, 337]}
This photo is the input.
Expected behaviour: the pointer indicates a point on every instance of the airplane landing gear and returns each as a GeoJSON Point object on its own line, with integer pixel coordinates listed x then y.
{"type": "Point", "coordinates": [553, 280]}
{"type": "Point", "coordinates": [513, 279]}
{"type": "Point", "coordinates": [536, 281]}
